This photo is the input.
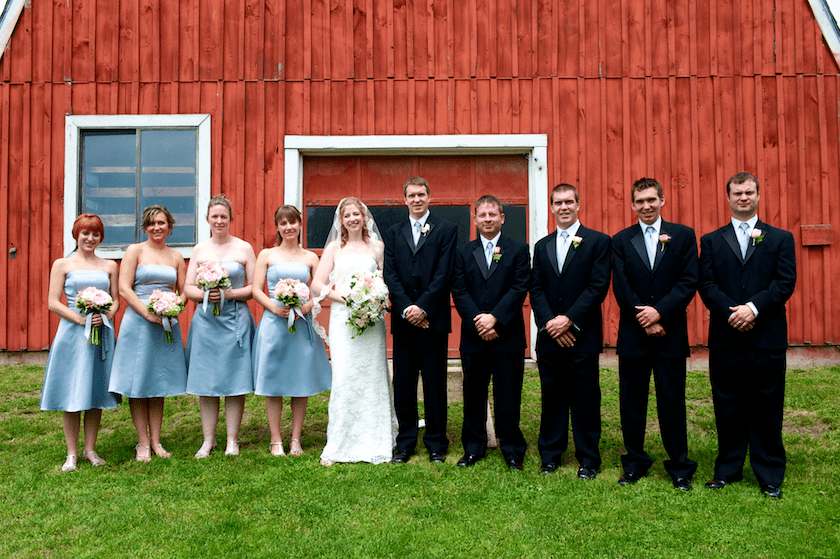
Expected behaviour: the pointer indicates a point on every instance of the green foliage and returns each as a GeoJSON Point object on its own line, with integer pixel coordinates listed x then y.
{"type": "Point", "coordinates": [256, 505]}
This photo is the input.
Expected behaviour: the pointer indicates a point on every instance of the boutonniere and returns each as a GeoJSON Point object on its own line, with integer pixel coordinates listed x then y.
{"type": "Point", "coordinates": [497, 254]}
{"type": "Point", "coordinates": [424, 229]}
{"type": "Point", "coordinates": [757, 235]}
{"type": "Point", "coordinates": [576, 241]}
{"type": "Point", "coordinates": [663, 239]}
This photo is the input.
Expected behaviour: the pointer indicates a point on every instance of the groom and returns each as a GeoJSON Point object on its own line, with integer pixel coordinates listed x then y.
{"type": "Point", "coordinates": [418, 269]}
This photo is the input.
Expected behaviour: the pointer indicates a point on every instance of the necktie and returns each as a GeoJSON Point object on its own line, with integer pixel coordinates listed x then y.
{"type": "Point", "coordinates": [562, 249]}
{"type": "Point", "coordinates": [488, 253]}
{"type": "Point", "coordinates": [743, 238]}
{"type": "Point", "coordinates": [416, 232]}
{"type": "Point", "coordinates": [650, 237]}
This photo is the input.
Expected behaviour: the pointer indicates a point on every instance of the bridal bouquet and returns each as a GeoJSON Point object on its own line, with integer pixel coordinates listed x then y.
{"type": "Point", "coordinates": [90, 301]}
{"type": "Point", "coordinates": [292, 293]}
{"type": "Point", "coordinates": [366, 300]}
{"type": "Point", "coordinates": [211, 275]}
{"type": "Point", "coordinates": [168, 305]}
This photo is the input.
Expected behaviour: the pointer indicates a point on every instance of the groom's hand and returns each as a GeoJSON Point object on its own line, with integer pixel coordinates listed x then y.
{"type": "Point", "coordinates": [415, 316]}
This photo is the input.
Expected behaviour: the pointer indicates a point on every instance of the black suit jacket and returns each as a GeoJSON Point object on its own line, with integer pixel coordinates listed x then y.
{"type": "Point", "coordinates": [577, 291]}
{"type": "Point", "coordinates": [500, 291]}
{"type": "Point", "coordinates": [668, 287]}
{"type": "Point", "coordinates": [420, 276]}
{"type": "Point", "coordinates": [767, 277]}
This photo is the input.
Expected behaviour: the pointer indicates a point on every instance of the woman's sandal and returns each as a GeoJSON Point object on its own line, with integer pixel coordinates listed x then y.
{"type": "Point", "coordinates": [232, 448]}
{"type": "Point", "coordinates": [295, 449]}
{"type": "Point", "coordinates": [205, 450]}
{"type": "Point", "coordinates": [161, 452]}
{"type": "Point", "coordinates": [279, 445]}
{"type": "Point", "coordinates": [70, 464]}
{"type": "Point", "coordinates": [139, 457]}
{"type": "Point", "coordinates": [94, 459]}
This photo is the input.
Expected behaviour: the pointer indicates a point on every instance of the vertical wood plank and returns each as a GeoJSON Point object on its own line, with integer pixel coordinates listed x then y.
{"type": "Point", "coordinates": [230, 22]}
{"type": "Point", "coordinates": [6, 264]}
{"type": "Point", "coordinates": [254, 51]}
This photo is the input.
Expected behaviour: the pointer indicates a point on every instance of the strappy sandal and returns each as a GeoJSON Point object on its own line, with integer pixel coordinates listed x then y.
{"type": "Point", "coordinates": [205, 450]}
{"type": "Point", "coordinates": [232, 448]}
{"type": "Point", "coordinates": [139, 457]}
{"type": "Point", "coordinates": [163, 453]}
{"type": "Point", "coordinates": [279, 445]}
{"type": "Point", "coordinates": [295, 449]}
{"type": "Point", "coordinates": [70, 464]}
{"type": "Point", "coordinates": [94, 459]}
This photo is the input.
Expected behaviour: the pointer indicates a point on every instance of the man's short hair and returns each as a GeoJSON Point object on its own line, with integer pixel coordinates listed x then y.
{"type": "Point", "coordinates": [564, 187]}
{"type": "Point", "coordinates": [415, 181]}
{"type": "Point", "coordinates": [644, 184]}
{"type": "Point", "coordinates": [489, 199]}
{"type": "Point", "coordinates": [741, 178]}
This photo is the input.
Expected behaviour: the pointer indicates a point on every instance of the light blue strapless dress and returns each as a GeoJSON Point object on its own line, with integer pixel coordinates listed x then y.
{"type": "Point", "coordinates": [219, 347]}
{"type": "Point", "coordinates": [145, 366]}
{"type": "Point", "coordinates": [289, 364]}
{"type": "Point", "coordinates": [78, 373]}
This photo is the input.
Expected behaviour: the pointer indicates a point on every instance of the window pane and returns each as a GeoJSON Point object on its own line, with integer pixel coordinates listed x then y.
{"type": "Point", "coordinates": [516, 223]}
{"type": "Point", "coordinates": [109, 169]}
{"type": "Point", "coordinates": [168, 177]}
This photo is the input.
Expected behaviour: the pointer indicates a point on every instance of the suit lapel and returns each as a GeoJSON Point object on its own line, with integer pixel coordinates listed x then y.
{"type": "Point", "coordinates": [409, 238]}
{"type": "Point", "coordinates": [572, 251]}
{"type": "Point", "coordinates": [551, 250]}
{"type": "Point", "coordinates": [732, 240]}
{"type": "Point", "coordinates": [423, 236]}
{"type": "Point", "coordinates": [751, 244]}
{"type": "Point", "coordinates": [494, 263]}
{"type": "Point", "coordinates": [638, 243]}
{"type": "Point", "coordinates": [480, 261]}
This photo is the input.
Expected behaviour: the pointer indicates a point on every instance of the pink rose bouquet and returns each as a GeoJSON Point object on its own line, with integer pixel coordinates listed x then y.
{"type": "Point", "coordinates": [90, 301]}
{"type": "Point", "coordinates": [211, 275]}
{"type": "Point", "coordinates": [366, 300]}
{"type": "Point", "coordinates": [292, 293]}
{"type": "Point", "coordinates": [168, 305]}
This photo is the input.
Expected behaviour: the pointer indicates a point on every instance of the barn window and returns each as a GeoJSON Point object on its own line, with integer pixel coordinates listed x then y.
{"type": "Point", "coordinates": [118, 165]}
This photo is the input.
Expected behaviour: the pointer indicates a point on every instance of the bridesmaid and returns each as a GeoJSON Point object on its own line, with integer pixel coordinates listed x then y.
{"type": "Point", "coordinates": [219, 347]}
{"type": "Point", "coordinates": [146, 368]}
{"type": "Point", "coordinates": [77, 374]}
{"type": "Point", "coordinates": [287, 363]}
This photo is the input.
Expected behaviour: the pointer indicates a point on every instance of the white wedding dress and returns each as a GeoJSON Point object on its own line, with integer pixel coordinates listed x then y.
{"type": "Point", "coordinates": [362, 423]}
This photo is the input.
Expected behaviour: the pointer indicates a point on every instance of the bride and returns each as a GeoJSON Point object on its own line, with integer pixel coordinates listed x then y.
{"type": "Point", "coordinates": [362, 424]}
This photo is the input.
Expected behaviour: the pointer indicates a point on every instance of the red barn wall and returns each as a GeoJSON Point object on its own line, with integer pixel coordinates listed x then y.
{"type": "Point", "coordinates": [685, 91]}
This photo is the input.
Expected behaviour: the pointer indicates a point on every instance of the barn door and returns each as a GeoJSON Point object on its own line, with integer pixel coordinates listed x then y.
{"type": "Point", "coordinates": [455, 181]}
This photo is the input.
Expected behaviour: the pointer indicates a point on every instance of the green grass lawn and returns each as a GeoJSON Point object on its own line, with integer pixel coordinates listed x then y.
{"type": "Point", "coordinates": [256, 505]}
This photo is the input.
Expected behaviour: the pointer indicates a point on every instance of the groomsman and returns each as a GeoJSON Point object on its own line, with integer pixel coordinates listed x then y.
{"type": "Point", "coordinates": [418, 271]}
{"type": "Point", "coordinates": [747, 273]}
{"type": "Point", "coordinates": [569, 282]}
{"type": "Point", "coordinates": [490, 283]}
{"type": "Point", "coordinates": [654, 280]}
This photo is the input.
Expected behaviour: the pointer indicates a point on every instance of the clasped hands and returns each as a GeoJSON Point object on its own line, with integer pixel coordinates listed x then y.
{"type": "Point", "coordinates": [485, 325]}
{"type": "Point", "coordinates": [649, 318]}
{"type": "Point", "coordinates": [742, 318]}
{"type": "Point", "coordinates": [416, 317]}
{"type": "Point", "coordinates": [559, 328]}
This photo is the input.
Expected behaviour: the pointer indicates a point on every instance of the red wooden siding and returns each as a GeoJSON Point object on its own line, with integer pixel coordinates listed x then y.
{"type": "Point", "coordinates": [685, 91]}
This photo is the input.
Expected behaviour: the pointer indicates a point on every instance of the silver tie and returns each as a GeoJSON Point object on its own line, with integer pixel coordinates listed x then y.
{"type": "Point", "coordinates": [562, 250]}
{"type": "Point", "coordinates": [416, 232]}
{"type": "Point", "coordinates": [488, 253]}
{"type": "Point", "coordinates": [650, 237]}
{"type": "Point", "coordinates": [743, 238]}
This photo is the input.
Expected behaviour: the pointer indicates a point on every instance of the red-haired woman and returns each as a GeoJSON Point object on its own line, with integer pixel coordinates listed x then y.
{"type": "Point", "coordinates": [77, 374]}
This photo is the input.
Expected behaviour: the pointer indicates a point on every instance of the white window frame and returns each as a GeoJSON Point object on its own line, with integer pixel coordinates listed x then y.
{"type": "Point", "coordinates": [74, 125]}
{"type": "Point", "coordinates": [535, 146]}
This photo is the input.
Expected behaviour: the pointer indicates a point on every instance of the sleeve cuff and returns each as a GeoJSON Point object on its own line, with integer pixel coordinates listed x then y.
{"type": "Point", "coordinates": [752, 308]}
